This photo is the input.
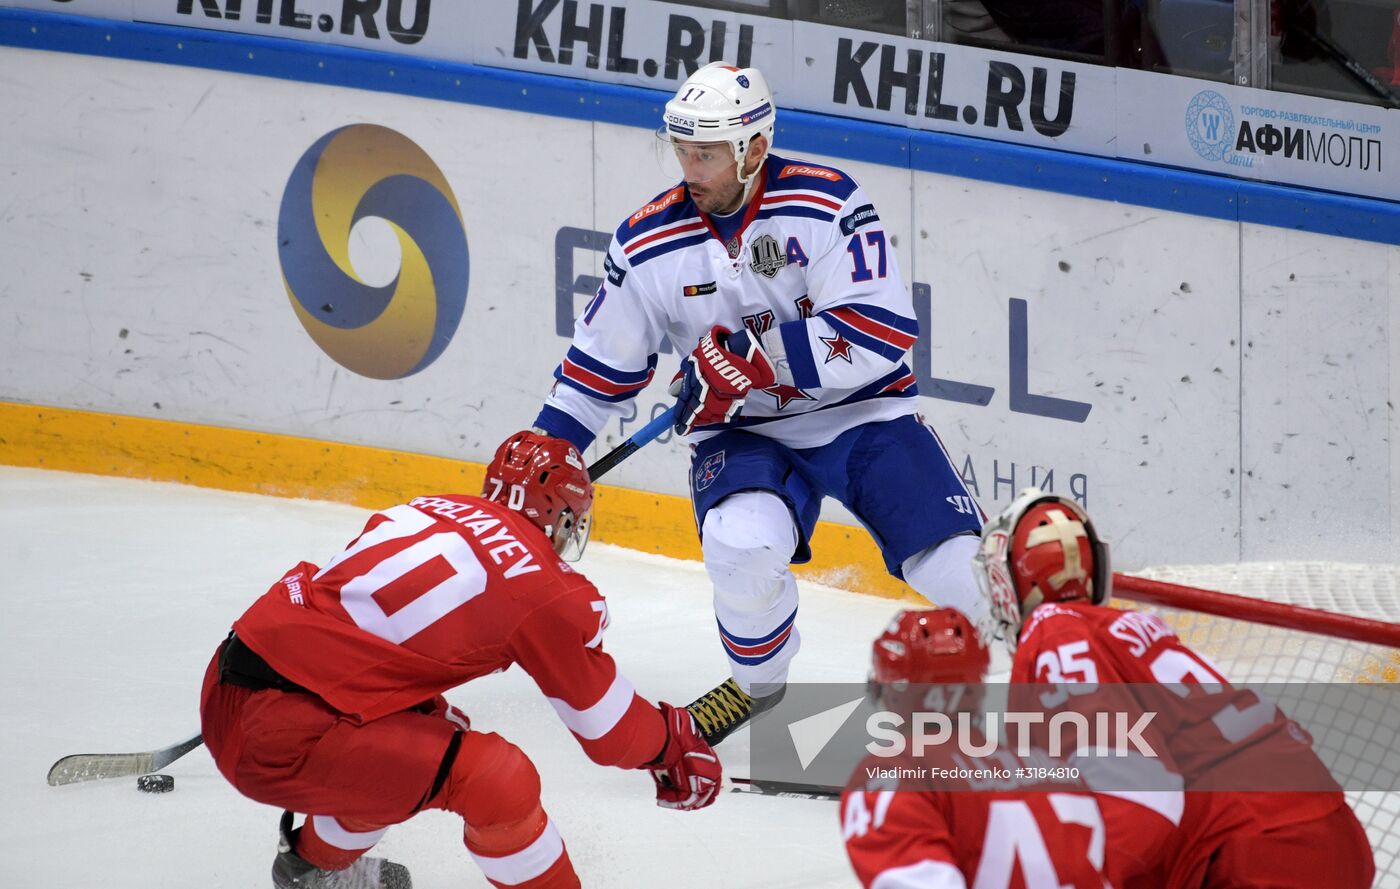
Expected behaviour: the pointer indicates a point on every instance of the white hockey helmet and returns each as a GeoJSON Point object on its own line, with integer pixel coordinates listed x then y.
{"type": "Point", "coordinates": [721, 103]}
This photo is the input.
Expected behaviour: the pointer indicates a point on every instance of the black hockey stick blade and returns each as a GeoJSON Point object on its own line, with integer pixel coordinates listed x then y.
{"type": "Point", "coordinates": [781, 788]}
{"type": "Point", "coordinates": [94, 766]}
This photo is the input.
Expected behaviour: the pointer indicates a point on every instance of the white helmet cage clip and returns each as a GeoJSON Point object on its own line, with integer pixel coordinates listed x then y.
{"type": "Point", "coordinates": [722, 103]}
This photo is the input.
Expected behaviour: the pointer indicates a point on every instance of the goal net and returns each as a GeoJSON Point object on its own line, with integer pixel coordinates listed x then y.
{"type": "Point", "coordinates": [1321, 623]}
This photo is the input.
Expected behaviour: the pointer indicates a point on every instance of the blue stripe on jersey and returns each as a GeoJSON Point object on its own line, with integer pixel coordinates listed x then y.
{"type": "Point", "coordinates": [595, 304]}
{"type": "Point", "coordinates": [885, 350]}
{"type": "Point", "coordinates": [593, 393]}
{"type": "Point", "coordinates": [662, 249]}
{"type": "Point", "coordinates": [561, 424]}
{"type": "Point", "coordinates": [840, 189]}
{"type": "Point", "coordinates": [798, 347]}
{"type": "Point", "coordinates": [884, 316]}
{"type": "Point", "coordinates": [681, 209]}
{"type": "Point", "coordinates": [876, 389]}
{"type": "Point", "coordinates": [805, 212]}
{"type": "Point", "coordinates": [622, 377]}
{"type": "Point", "coordinates": [624, 390]}
{"type": "Point", "coordinates": [873, 390]}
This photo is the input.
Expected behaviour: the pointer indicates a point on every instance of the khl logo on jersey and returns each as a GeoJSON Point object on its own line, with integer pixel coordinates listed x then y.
{"type": "Point", "coordinates": [767, 257]}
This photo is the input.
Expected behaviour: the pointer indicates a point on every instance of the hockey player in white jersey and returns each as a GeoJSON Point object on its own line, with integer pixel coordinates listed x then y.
{"type": "Point", "coordinates": [775, 279]}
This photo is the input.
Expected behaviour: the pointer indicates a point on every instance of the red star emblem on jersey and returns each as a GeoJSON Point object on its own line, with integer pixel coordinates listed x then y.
{"type": "Point", "coordinates": [837, 347]}
{"type": "Point", "coordinates": [787, 394]}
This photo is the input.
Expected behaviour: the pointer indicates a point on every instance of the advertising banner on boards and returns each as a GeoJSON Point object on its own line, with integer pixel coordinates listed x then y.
{"type": "Point", "coordinates": [377, 269]}
{"type": "Point", "coordinates": [1259, 134]}
{"type": "Point", "coordinates": [1003, 95]}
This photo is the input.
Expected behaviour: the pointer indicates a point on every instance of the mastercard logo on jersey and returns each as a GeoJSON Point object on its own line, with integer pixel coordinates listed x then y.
{"type": "Point", "coordinates": [699, 289]}
{"type": "Point", "coordinates": [357, 173]}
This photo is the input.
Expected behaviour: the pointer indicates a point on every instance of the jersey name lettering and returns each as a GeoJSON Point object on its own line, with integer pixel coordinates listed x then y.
{"type": "Point", "coordinates": [479, 522]}
{"type": "Point", "coordinates": [1139, 630]}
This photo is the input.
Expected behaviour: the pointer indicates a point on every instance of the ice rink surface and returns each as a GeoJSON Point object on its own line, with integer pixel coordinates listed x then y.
{"type": "Point", "coordinates": [115, 593]}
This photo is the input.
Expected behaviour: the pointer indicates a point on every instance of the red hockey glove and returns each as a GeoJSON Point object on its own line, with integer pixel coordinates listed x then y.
{"type": "Point", "coordinates": [688, 773]}
{"type": "Point", "coordinates": [716, 377]}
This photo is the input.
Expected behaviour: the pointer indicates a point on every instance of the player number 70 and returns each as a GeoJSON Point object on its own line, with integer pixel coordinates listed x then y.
{"type": "Point", "coordinates": [517, 493]}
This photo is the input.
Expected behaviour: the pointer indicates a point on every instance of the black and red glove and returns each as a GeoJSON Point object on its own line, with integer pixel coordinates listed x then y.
{"type": "Point", "coordinates": [688, 773]}
{"type": "Point", "coordinates": [715, 379]}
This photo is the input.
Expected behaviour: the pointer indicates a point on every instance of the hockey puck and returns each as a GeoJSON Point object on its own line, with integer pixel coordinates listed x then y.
{"type": "Point", "coordinates": [155, 783]}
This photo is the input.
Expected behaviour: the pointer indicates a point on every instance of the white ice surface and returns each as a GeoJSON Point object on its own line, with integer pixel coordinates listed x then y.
{"type": "Point", "coordinates": [114, 593]}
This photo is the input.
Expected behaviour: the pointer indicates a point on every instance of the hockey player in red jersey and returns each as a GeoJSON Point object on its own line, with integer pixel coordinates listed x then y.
{"type": "Point", "coordinates": [327, 696]}
{"type": "Point", "coordinates": [1047, 575]}
{"type": "Point", "coordinates": [1036, 826]}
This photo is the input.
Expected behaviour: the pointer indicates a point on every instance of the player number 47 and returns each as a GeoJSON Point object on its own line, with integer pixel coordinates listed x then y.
{"type": "Point", "coordinates": [1016, 847]}
{"type": "Point", "coordinates": [862, 270]}
{"type": "Point", "coordinates": [858, 821]}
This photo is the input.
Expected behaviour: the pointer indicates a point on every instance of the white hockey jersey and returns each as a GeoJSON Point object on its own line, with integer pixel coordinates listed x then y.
{"type": "Point", "coordinates": [813, 275]}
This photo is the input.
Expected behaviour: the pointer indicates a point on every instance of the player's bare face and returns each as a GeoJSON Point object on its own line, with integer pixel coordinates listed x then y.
{"type": "Point", "coordinates": [711, 174]}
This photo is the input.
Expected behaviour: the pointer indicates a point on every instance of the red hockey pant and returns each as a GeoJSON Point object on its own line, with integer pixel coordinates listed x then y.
{"type": "Point", "coordinates": [293, 751]}
{"type": "Point", "coordinates": [1331, 852]}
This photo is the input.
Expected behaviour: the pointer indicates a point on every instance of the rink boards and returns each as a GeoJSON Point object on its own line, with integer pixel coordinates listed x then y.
{"type": "Point", "coordinates": [1214, 387]}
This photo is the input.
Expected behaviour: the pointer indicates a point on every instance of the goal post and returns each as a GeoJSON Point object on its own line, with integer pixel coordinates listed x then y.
{"type": "Point", "coordinates": [1260, 611]}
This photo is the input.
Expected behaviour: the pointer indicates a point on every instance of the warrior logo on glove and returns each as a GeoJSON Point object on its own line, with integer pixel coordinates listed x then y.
{"type": "Point", "coordinates": [715, 379]}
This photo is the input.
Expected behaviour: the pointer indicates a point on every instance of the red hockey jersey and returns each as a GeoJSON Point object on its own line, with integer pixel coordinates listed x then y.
{"type": "Point", "coordinates": [1218, 736]}
{"type": "Point", "coordinates": [440, 591]}
{"type": "Point", "coordinates": [1001, 822]}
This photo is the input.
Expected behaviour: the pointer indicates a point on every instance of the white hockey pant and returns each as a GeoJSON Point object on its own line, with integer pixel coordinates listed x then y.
{"type": "Point", "coordinates": [748, 539]}
{"type": "Point", "coordinates": [942, 573]}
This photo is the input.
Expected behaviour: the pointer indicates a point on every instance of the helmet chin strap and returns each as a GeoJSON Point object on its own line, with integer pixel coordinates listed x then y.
{"type": "Point", "coordinates": [751, 180]}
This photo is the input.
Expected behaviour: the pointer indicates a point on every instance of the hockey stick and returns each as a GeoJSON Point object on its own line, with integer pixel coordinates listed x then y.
{"type": "Point", "coordinates": [629, 447]}
{"type": "Point", "coordinates": [1348, 63]}
{"type": "Point", "coordinates": [94, 766]}
{"type": "Point", "coordinates": [780, 788]}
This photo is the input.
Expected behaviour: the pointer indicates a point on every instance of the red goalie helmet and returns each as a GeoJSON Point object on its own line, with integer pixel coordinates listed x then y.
{"type": "Point", "coordinates": [929, 645]}
{"type": "Point", "coordinates": [1043, 548]}
{"type": "Point", "coordinates": [544, 479]}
